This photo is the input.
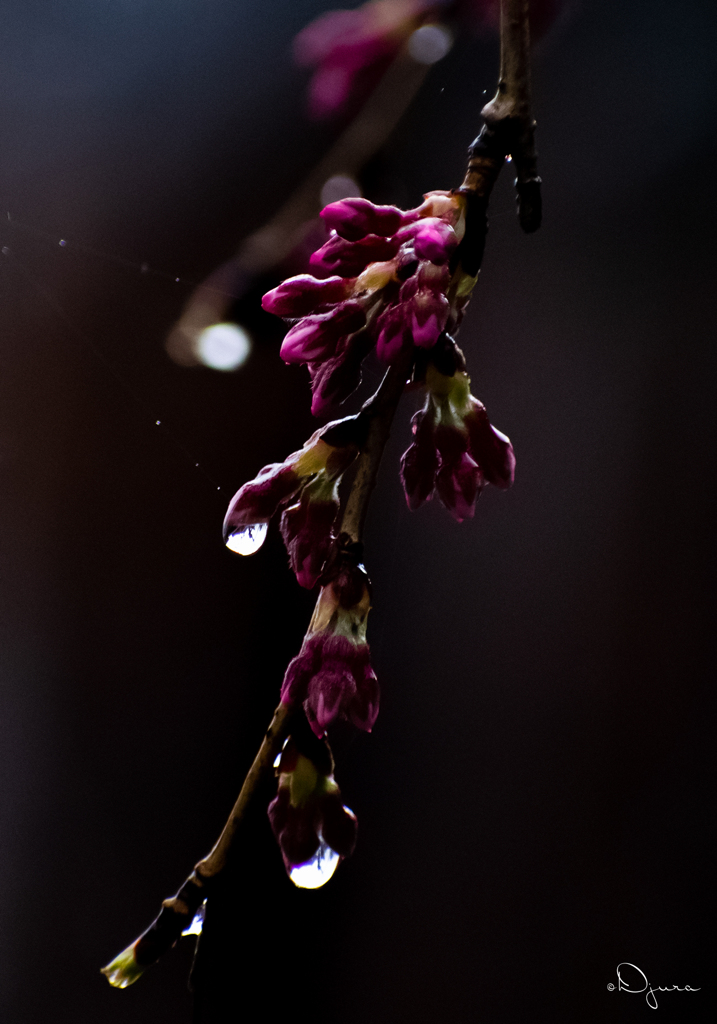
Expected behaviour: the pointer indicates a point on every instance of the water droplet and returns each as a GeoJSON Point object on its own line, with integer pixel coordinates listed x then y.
{"type": "Point", "coordinates": [430, 43]}
{"type": "Point", "coordinates": [63, 242]}
{"type": "Point", "coordinates": [317, 871]}
{"type": "Point", "coordinates": [176, 280]}
{"type": "Point", "coordinates": [158, 423]}
{"type": "Point", "coordinates": [195, 928]}
{"type": "Point", "coordinates": [509, 159]}
{"type": "Point", "coordinates": [249, 539]}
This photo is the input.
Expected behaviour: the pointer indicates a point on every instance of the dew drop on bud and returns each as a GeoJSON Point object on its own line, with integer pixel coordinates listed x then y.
{"type": "Point", "coordinates": [195, 928]}
{"type": "Point", "coordinates": [247, 540]}
{"type": "Point", "coordinates": [317, 871]}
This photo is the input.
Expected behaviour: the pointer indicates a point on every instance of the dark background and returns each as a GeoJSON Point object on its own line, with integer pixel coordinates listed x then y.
{"type": "Point", "coordinates": [535, 800]}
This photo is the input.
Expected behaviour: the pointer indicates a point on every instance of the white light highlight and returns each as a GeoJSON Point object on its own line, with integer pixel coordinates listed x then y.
{"type": "Point", "coordinates": [340, 186]}
{"type": "Point", "coordinates": [197, 924]}
{"type": "Point", "coordinates": [223, 346]}
{"type": "Point", "coordinates": [430, 43]}
{"type": "Point", "coordinates": [249, 539]}
{"type": "Point", "coordinates": [317, 871]}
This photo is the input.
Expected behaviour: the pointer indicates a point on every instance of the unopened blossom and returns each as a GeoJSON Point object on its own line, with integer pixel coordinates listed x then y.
{"type": "Point", "coordinates": [308, 817]}
{"type": "Point", "coordinates": [388, 291]}
{"type": "Point", "coordinates": [456, 451]}
{"type": "Point", "coordinates": [309, 477]}
{"type": "Point", "coordinates": [307, 529]}
{"type": "Point", "coordinates": [332, 675]}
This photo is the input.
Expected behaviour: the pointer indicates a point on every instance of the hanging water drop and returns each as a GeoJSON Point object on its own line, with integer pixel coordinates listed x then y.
{"type": "Point", "coordinates": [317, 871]}
{"type": "Point", "coordinates": [195, 928]}
{"type": "Point", "coordinates": [247, 540]}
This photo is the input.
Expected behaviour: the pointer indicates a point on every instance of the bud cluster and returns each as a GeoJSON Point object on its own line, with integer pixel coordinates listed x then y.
{"type": "Point", "coordinates": [390, 282]}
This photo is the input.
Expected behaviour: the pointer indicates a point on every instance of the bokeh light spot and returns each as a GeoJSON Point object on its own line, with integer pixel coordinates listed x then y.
{"type": "Point", "coordinates": [430, 43]}
{"type": "Point", "coordinates": [223, 346]}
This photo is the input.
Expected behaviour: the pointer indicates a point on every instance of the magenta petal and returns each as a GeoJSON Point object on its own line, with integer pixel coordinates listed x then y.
{"type": "Point", "coordinates": [306, 528]}
{"type": "Point", "coordinates": [349, 258]}
{"type": "Point", "coordinates": [334, 379]}
{"type": "Point", "coordinates": [298, 296]}
{"type": "Point", "coordinates": [342, 683]}
{"type": "Point", "coordinates": [428, 323]}
{"type": "Point", "coordinates": [299, 673]}
{"type": "Point", "coordinates": [393, 333]}
{"type": "Point", "coordinates": [419, 463]}
{"type": "Point", "coordinates": [433, 239]}
{"type": "Point", "coordinates": [294, 828]}
{"type": "Point", "coordinates": [339, 827]}
{"type": "Point", "coordinates": [258, 500]}
{"type": "Point", "coordinates": [458, 485]}
{"type": "Point", "coordinates": [490, 448]}
{"type": "Point", "coordinates": [355, 218]}
{"type": "Point", "coordinates": [315, 337]}
{"type": "Point", "coordinates": [363, 709]}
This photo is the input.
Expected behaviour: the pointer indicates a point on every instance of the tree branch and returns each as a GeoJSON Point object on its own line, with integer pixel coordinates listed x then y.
{"type": "Point", "coordinates": [509, 128]}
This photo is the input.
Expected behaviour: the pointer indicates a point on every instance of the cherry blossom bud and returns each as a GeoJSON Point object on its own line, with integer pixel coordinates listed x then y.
{"type": "Point", "coordinates": [355, 218]}
{"type": "Point", "coordinates": [298, 296]}
{"type": "Point", "coordinates": [491, 449]}
{"type": "Point", "coordinates": [419, 464]}
{"type": "Point", "coordinates": [433, 239]}
{"type": "Point", "coordinates": [393, 333]}
{"type": "Point", "coordinates": [257, 501]}
{"type": "Point", "coordinates": [333, 380]}
{"type": "Point", "coordinates": [459, 479]}
{"type": "Point", "coordinates": [332, 674]}
{"type": "Point", "coordinates": [315, 336]}
{"type": "Point", "coordinates": [307, 530]}
{"type": "Point", "coordinates": [314, 829]}
{"type": "Point", "coordinates": [348, 259]}
{"type": "Point", "coordinates": [426, 306]}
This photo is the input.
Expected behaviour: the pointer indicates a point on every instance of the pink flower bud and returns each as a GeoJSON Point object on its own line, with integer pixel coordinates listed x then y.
{"type": "Point", "coordinates": [355, 218]}
{"type": "Point", "coordinates": [332, 674]}
{"type": "Point", "coordinates": [315, 337]}
{"type": "Point", "coordinates": [419, 463]}
{"type": "Point", "coordinates": [307, 531]}
{"type": "Point", "coordinates": [348, 259]}
{"type": "Point", "coordinates": [433, 239]}
{"type": "Point", "coordinates": [333, 380]}
{"type": "Point", "coordinates": [298, 296]}
{"type": "Point", "coordinates": [393, 328]}
{"type": "Point", "coordinates": [489, 447]}
{"type": "Point", "coordinates": [458, 484]}
{"type": "Point", "coordinates": [257, 501]}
